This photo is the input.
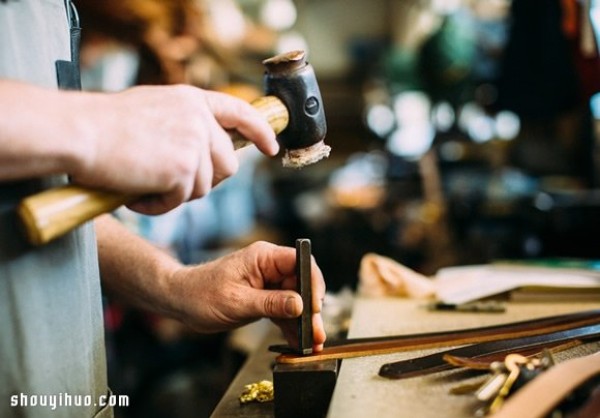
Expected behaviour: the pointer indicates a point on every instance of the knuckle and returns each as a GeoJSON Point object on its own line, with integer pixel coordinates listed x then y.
{"type": "Point", "coordinates": [176, 197]}
{"type": "Point", "coordinates": [175, 167]}
{"type": "Point", "coordinates": [199, 191]}
{"type": "Point", "coordinates": [243, 108]}
{"type": "Point", "coordinates": [184, 90]}
{"type": "Point", "coordinates": [270, 305]}
{"type": "Point", "coordinates": [231, 167]}
{"type": "Point", "coordinates": [199, 187]}
{"type": "Point", "coordinates": [260, 246]}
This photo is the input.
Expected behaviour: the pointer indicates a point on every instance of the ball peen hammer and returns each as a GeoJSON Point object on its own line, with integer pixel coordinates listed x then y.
{"type": "Point", "coordinates": [292, 105]}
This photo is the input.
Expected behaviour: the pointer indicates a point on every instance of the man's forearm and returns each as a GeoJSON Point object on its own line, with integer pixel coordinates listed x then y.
{"type": "Point", "coordinates": [132, 269]}
{"type": "Point", "coordinates": [254, 282]}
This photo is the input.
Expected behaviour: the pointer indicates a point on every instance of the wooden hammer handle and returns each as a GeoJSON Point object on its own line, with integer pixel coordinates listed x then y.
{"type": "Point", "coordinates": [54, 212]}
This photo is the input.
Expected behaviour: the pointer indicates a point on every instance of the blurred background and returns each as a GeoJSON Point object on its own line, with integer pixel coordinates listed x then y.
{"type": "Point", "coordinates": [462, 132]}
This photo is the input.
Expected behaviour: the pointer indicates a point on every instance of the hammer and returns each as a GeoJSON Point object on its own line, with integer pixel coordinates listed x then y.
{"type": "Point", "coordinates": [292, 106]}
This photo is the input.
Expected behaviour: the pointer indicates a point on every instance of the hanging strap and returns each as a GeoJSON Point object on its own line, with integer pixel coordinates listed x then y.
{"type": "Point", "coordinates": [67, 72]}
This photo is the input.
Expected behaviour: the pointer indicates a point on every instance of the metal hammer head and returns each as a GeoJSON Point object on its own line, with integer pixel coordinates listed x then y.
{"type": "Point", "coordinates": [290, 78]}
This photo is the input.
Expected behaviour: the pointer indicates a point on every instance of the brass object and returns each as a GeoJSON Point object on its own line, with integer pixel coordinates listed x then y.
{"type": "Point", "coordinates": [513, 364]}
{"type": "Point", "coordinates": [258, 392]}
{"type": "Point", "coordinates": [506, 377]}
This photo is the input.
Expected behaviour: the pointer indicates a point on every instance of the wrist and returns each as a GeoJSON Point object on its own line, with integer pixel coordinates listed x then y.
{"type": "Point", "coordinates": [171, 285]}
{"type": "Point", "coordinates": [79, 113]}
{"type": "Point", "coordinates": [56, 141]}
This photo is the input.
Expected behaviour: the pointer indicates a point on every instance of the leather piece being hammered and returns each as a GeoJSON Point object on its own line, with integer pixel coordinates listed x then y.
{"type": "Point", "coordinates": [359, 347]}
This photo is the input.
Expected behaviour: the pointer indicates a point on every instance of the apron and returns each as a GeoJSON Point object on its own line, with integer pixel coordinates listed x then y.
{"type": "Point", "coordinates": [51, 325]}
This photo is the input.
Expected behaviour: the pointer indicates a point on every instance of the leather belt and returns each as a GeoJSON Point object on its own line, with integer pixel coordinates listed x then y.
{"type": "Point", "coordinates": [359, 347]}
{"type": "Point", "coordinates": [484, 362]}
{"type": "Point", "coordinates": [540, 396]}
{"type": "Point", "coordinates": [436, 363]}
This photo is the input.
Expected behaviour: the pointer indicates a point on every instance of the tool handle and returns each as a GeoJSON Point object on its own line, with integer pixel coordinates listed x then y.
{"type": "Point", "coordinates": [273, 110]}
{"type": "Point", "coordinates": [54, 212]}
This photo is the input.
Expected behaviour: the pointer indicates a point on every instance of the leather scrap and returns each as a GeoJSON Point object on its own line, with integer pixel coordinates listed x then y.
{"type": "Point", "coordinates": [381, 276]}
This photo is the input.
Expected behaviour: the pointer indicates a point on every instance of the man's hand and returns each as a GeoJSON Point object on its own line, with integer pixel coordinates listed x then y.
{"type": "Point", "coordinates": [257, 281]}
{"type": "Point", "coordinates": [170, 143]}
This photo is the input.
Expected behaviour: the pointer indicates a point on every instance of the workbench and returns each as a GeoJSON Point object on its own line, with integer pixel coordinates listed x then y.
{"type": "Point", "coordinates": [360, 392]}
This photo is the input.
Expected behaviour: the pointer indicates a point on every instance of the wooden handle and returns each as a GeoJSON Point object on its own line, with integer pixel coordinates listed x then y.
{"type": "Point", "coordinates": [50, 214]}
{"type": "Point", "coordinates": [54, 212]}
{"type": "Point", "coordinates": [273, 110]}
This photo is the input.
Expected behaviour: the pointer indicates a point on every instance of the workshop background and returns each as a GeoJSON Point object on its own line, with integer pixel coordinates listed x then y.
{"type": "Point", "coordinates": [462, 132]}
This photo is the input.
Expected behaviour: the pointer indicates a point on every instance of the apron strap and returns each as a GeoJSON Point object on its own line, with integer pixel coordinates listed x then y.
{"type": "Point", "coordinates": [67, 72]}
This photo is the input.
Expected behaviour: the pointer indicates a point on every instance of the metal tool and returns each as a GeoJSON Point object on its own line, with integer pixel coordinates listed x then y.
{"type": "Point", "coordinates": [293, 107]}
{"type": "Point", "coordinates": [304, 390]}
{"type": "Point", "coordinates": [303, 286]}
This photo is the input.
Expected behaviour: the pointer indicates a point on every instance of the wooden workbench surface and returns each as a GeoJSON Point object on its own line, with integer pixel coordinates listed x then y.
{"type": "Point", "coordinates": [360, 392]}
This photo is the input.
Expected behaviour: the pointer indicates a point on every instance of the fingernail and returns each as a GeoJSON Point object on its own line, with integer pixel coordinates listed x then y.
{"type": "Point", "coordinates": [290, 307]}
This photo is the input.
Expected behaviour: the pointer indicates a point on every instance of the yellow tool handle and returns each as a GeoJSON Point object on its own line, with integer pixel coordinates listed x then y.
{"type": "Point", "coordinates": [54, 212]}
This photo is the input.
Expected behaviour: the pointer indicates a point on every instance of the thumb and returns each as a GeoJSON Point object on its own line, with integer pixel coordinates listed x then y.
{"type": "Point", "coordinates": [278, 304]}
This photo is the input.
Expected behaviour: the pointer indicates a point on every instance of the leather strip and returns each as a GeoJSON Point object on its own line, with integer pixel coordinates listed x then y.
{"type": "Point", "coordinates": [435, 362]}
{"type": "Point", "coordinates": [359, 347]}
{"type": "Point", "coordinates": [484, 362]}
{"type": "Point", "coordinates": [540, 396]}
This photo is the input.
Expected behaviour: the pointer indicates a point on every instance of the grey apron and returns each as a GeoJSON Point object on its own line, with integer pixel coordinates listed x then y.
{"type": "Point", "coordinates": [51, 327]}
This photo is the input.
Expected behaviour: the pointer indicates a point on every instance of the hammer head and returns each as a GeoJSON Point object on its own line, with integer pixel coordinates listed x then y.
{"type": "Point", "coordinates": [290, 78]}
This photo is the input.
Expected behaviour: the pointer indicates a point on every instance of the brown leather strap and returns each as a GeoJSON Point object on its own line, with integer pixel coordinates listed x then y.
{"type": "Point", "coordinates": [540, 396]}
{"type": "Point", "coordinates": [485, 362]}
{"type": "Point", "coordinates": [435, 362]}
{"type": "Point", "coordinates": [384, 345]}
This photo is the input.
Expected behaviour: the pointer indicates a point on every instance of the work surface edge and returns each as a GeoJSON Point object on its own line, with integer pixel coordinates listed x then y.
{"type": "Point", "coordinates": [258, 366]}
